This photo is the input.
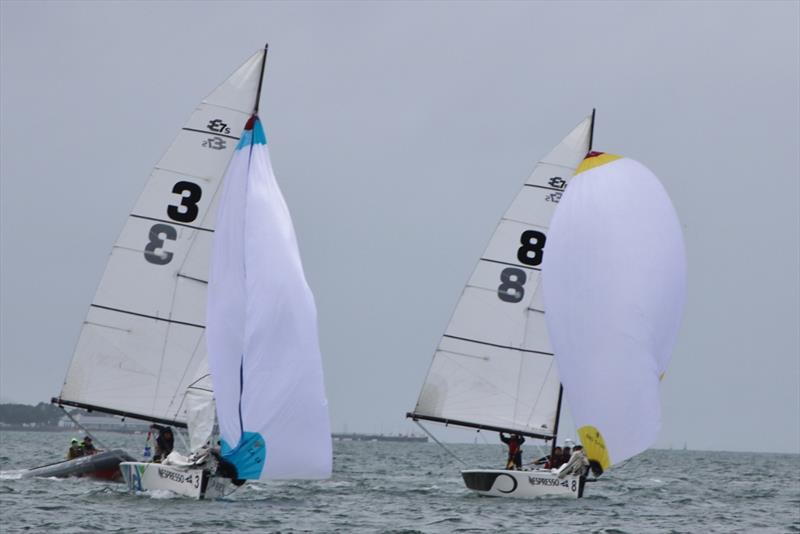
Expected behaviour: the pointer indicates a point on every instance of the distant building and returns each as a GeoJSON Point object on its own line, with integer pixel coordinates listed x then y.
{"type": "Point", "coordinates": [104, 422]}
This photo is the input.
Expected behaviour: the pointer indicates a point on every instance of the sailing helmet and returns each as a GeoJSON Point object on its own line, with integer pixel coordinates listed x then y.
{"type": "Point", "coordinates": [74, 440]}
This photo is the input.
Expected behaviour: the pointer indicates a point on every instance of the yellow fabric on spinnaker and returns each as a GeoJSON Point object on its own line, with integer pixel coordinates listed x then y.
{"type": "Point", "coordinates": [595, 446]}
{"type": "Point", "coordinates": [595, 159]}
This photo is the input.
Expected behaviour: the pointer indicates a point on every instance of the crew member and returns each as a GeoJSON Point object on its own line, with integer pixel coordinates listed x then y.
{"type": "Point", "coordinates": [514, 443]}
{"type": "Point", "coordinates": [88, 446]}
{"type": "Point", "coordinates": [75, 450]}
{"type": "Point", "coordinates": [578, 464]}
{"type": "Point", "coordinates": [165, 441]}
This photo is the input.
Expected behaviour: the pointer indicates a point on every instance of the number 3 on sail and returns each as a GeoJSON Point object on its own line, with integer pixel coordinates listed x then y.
{"type": "Point", "coordinates": [209, 236]}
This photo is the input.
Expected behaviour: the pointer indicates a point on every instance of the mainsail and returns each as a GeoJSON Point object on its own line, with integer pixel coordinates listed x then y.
{"type": "Point", "coordinates": [142, 342]}
{"type": "Point", "coordinates": [494, 367]}
{"type": "Point", "coordinates": [262, 329]}
{"type": "Point", "coordinates": [615, 287]}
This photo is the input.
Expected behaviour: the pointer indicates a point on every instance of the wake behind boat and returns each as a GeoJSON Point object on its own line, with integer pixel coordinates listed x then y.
{"type": "Point", "coordinates": [495, 367]}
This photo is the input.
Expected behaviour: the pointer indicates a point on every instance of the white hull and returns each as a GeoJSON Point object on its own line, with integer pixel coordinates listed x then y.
{"type": "Point", "coordinates": [521, 484]}
{"type": "Point", "coordinates": [195, 483]}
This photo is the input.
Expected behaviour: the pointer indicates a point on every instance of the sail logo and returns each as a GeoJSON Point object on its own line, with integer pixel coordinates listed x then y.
{"type": "Point", "coordinates": [216, 125]}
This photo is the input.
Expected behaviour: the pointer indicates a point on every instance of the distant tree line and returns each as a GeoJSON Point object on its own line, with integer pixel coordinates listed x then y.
{"type": "Point", "coordinates": [41, 414]}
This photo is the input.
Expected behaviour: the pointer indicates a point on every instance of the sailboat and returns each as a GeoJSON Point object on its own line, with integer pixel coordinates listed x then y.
{"type": "Point", "coordinates": [203, 312]}
{"type": "Point", "coordinates": [499, 365]}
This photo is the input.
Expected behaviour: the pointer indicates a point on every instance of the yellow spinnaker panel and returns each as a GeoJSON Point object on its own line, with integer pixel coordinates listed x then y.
{"type": "Point", "coordinates": [595, 446]}
{"type": "Point", "coordinates": [595, 159]}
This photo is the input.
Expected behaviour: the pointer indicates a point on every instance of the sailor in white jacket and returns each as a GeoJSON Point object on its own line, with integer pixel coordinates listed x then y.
{"type": "Point", "coordinates": [578, 464]}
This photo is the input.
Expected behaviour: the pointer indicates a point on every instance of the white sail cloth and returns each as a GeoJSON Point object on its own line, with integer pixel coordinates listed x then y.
{"type": "Point", "coordinates": [142, 341]}
{"type": "Point", "coordinates": [262, 329]}
{"type": "Point", "coordinates": [494, 365]}
{"type": "Point", "coordinates": [614, 286]}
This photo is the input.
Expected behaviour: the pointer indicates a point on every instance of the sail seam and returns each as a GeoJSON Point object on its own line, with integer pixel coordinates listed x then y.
{"type": "Point", "coordinates": [499, 346]}
{"type": "Point", "coordinates": [512, 264]}
{"type": "Point", "coordinates": [210, 132]}
{"type": "Point", "coordinates": [544, 187]}
{"type": "Point", "coordinates": [118, 310]}
{"type": "Point", "coordinates": [192, 278]}
{"type": "Point", "coordinates": [171, 222]}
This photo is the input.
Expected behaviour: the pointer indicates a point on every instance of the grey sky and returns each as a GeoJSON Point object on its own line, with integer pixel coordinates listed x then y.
{"type": "Point", "coordinates": [400, 133]}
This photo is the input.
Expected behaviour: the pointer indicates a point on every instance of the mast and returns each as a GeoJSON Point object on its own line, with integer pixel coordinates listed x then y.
{"type": "Point", "coordinates": [261, 81]}
{"type": "Point", "coordinates": [558, 416]}
{"type": "Point", "coordinates": [561, 387]}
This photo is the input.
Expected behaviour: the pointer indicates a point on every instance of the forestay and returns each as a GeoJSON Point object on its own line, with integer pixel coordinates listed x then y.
{"type": "Point", "coordinates": [615, 286]}
{"type": "Point", "coordinates": [494, 365]}
{"type": "Point", "coordinates": [262, 329]}
{"type": "Point", "coordinates": [143, 337]}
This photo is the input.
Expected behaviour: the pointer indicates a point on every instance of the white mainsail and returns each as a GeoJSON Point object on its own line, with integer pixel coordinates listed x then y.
{"type": "Point", "coordinates": [262, 329]}
{"type": "Point", "coordinates": [615, 287]}
{"type": "Point", "coordinates": [494, 366]}
{"type": "Point", "coordinates": [142, 342]}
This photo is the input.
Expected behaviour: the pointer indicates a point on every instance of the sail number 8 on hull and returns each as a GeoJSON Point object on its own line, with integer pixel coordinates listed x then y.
{"type": "Point", "coordinates": [185, 212]}
{"type": "Point", "coordinates": [512, 279]}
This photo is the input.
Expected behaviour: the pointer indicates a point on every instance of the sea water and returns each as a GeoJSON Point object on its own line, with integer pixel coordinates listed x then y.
{"type": "Point", "coordinates": [412, 487]}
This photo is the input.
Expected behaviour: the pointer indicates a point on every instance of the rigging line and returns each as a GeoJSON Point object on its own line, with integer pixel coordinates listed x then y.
{"type": "Point", "coordinates": [177, 393]}
{"type": "Point", "coordinates": [451, 453]}
{"type": "Point", "coordinates": [106, 447]}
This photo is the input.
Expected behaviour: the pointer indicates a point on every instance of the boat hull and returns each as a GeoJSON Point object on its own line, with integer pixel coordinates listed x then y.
{"type": "Point", "coordinates": [103, 465]}
{"type": "Point", "coordinates": [195, 483]}
{"type": "Point", "coordinates": [521, 484]}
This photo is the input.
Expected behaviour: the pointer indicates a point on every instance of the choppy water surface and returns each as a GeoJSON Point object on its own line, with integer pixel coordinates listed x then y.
{"type": "Point", "coordinates": [407, 487]}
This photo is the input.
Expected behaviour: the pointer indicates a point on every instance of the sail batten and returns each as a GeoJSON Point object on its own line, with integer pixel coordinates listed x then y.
{"type": "Point", "coordinates": [143, 336]}
{"type": "Point", "coordinates": [507, 382]}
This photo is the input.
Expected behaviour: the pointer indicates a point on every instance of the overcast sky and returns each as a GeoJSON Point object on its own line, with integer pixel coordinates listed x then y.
{"type": "Point", "coordinates": [399, 133]}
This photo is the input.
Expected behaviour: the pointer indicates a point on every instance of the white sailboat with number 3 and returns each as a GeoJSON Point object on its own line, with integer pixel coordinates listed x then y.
{"type": "Point", "coordinates": [206, 275]}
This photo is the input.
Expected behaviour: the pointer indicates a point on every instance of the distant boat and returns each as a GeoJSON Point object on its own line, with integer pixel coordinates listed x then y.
{"type": "Point", "coordinates": [206, 274]}
{"type": "Point", "coordinates": [351, 436]}
{"type": "Point", "coordinates": [502, 359]}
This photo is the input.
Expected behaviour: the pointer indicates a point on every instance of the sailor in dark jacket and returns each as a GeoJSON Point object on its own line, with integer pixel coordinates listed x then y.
{"type": "Point", "coordinates": [165, 441]}
{"type": "Point", "coordinates": [514, 443]}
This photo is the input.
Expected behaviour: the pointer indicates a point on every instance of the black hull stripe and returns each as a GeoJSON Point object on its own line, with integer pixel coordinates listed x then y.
{"type": "Point", "coordinates": [147, 316]}
{"type": "Point", "coordinates": [498, 346]}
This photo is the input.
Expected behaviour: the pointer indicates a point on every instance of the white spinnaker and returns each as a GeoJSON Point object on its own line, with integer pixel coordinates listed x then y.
{"type": "Point", "coordinates": [615, 287]}
{"type": "Point", "coordinates": [262, 329]}
{"type": "Point", "coordinates": [142, 339]}
{"type": "Point", "coordinates": [494, 366]}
